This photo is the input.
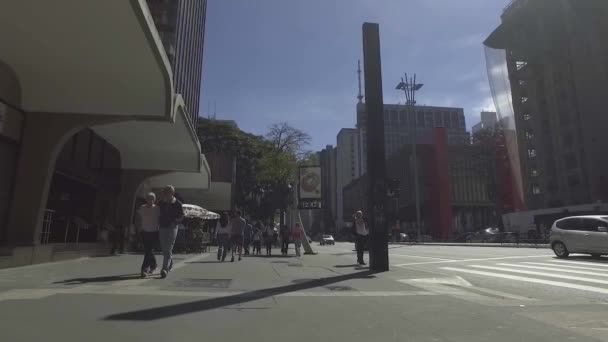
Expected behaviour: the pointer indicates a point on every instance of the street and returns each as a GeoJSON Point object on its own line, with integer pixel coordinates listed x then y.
{"type": "Point", "coordinates": [432, 293]}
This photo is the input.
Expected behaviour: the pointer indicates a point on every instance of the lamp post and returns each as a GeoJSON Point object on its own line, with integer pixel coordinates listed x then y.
{"type": "Point", "coordinates": [409, 87]}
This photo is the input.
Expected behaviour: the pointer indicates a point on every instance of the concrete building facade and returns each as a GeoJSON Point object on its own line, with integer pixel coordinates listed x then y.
{"type": "Point", "coordinates": [488, 120]}
{"type": "Point", "coordinates": [556, 59]}
{"type": "Point", "coordinates": [82, 135]}
{"type": "Point", "coordinates": [348, 167]}
{"type": "Point", "coordinates": [400, 121]}
{"type": "Point", "coordinates": [181, 26]}
{"type": "Point", "coordinates": [457, 188]}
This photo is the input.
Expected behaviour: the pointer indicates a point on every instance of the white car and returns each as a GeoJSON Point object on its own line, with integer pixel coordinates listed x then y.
{"type": "Point", "coordinates": [580, 234]}
{"type": "Point", "coordinates": [327, 239]}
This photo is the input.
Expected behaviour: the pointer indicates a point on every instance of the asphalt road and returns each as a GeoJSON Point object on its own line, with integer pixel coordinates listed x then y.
{"type": "Point", "coordinates": [432, 293]}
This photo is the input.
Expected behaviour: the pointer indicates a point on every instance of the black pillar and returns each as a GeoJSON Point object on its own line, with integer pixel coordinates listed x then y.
{"type": "Point", "coordinates": [376, 163]}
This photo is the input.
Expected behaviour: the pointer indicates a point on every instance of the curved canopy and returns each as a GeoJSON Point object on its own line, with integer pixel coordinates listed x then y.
{"type": "Point", "coordinates": [86, 57]}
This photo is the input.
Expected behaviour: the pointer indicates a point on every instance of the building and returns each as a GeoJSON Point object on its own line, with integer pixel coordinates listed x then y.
{"type": "Point", "coordinates": [348, 167]}
{"type": "Point", "coordinates": [181, 27]}
{"type": "Point", "coordinates": [557, 72]}
{"type": "Point", "coordinates": [457, 187]}
{"type": "Point", "coordinates": [327, 159]}
{"type": "Point", "coordinates": [488, 120]}
{"type": "Point", "coordinates": [83, 137]}
{"type": "Point", "coordinates": [401, 120]}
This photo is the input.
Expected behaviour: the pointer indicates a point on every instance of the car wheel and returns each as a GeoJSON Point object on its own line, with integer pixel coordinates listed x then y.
{"type": "Point", "coordinates": [560, 250]}
{"type": "Point", "coordinates": [597, 256]}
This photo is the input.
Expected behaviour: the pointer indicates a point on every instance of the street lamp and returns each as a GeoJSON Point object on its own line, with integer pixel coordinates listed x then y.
{"type": "Point", "coordinates": [410, 87]}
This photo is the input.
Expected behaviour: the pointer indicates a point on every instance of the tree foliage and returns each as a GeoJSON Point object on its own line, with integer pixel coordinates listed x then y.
{"type": "Point", "coordinates": [266, 166]}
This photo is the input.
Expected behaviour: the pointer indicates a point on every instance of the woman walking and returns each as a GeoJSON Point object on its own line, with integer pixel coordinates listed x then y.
{"type": "Point", "coordinates": [236, 234]}
{"type": "Point", "coordinates": [222, 236]}
{"type": "Point", "coordinates": [147, 222]}
{"type": "Point", "coordinates": [297, 235]}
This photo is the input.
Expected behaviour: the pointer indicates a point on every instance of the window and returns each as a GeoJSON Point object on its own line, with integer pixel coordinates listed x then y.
{"type": "Point", "coordinates": [532, 153]}
{"type": "Point", "coordinates": [534, 173]}
{"type": "Point", "coordinates": [527, 116]}
{"type": "Point", "coordinates": [571, 162]}
{"type": "Point", "coordinates": [573, 181]}
{"type": "Point", "coordinates": [394, 117]}
{"type": "Point", "coordinates": [569, 224]}
{"type": "Point", "coordinates": [568, 140]}
{"type": "Point", "coordinates": [520, 65]}
{"type": "Point", "coordinates": [535, 189]}
{"type": "Point", "coordinates": [529, 134]}
{"type": "Point", "coordinates": [590, 225]}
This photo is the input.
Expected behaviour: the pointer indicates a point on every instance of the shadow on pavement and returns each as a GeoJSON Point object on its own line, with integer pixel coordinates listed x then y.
{"type": "Point", "coordinates": [78, 281]}
{"type": "Point", "coordinates": [204, 262]}
{"type": "Point", "coordinates": [214, 303]}
{"type": "Point", "coordinates": [347, 266]}
{"type": "Point", "coordinates": [586, 258]}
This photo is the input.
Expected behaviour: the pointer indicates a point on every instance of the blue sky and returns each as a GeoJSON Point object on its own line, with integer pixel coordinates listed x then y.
{"type": "Point", "coordinates": [268, 61]}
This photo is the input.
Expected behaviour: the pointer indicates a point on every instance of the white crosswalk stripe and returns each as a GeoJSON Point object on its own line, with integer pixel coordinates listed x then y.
{"type": "Point", "coordinates": [571, 274]}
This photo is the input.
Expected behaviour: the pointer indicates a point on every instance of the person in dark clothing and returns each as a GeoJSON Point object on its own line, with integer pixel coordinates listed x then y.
{"type": "Point", "coordinates": [171, 214]}
{"type": "Point", "coordinates": [285, 240]}
{"type": "Point", "coordinates": [247, 235]}
{"type": "Point", "coordinates": [361, 232]}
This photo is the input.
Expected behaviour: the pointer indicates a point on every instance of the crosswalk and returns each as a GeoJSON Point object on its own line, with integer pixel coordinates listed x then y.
{"type": "Point", "coordinates": [570, 274]}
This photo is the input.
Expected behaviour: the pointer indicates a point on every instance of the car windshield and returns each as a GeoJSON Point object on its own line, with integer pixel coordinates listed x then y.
{"type": "Point", "coordinates": [278, 170]}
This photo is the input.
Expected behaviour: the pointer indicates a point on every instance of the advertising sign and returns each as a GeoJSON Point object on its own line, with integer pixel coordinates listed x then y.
{"type": "Point", "coordinates": [309, 187]}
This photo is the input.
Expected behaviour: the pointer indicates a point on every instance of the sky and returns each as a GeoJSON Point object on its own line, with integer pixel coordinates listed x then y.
{"type": "Point", "coordinates": [269, 61]}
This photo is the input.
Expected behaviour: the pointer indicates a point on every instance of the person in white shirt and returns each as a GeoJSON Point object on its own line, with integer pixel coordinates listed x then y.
{"type": "Point", "coordinates": [361, 233]}
{"type": "Point", "coordinates": [147, 222]}
{"type": "Point", "coordinates": [222, 236]}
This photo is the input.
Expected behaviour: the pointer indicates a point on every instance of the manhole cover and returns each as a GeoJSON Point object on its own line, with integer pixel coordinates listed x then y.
{"type": "Point", "coordinates": [204, 283]}
{"type": "Point", "coordinates": [339, 288]}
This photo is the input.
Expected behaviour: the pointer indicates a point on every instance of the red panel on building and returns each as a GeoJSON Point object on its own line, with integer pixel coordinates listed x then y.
{"type": "Point", "coordinates": [441, 187]}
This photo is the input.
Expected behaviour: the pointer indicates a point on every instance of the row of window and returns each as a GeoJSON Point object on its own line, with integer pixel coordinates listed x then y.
{"type": "Point", "coordinates": [424, 119]}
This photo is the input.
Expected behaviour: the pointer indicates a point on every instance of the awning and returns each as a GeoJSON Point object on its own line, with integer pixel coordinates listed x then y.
{"type": "Point", "coordinates": [87, 57]}
{"type": "Point", "coordinates": [157, 145]}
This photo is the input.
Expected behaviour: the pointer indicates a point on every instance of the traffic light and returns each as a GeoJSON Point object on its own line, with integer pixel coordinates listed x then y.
{"type": "Point", "coordinates": [394, 188]}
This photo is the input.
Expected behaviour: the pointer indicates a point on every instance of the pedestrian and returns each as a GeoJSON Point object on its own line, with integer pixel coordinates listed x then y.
{"type": "Point", "coordinates": [247, 235]}
{"type": "Point", "coordinates": [147, 222]}
{"type": "Point", "coordinates": [361, 233]}
{"type": "Point", "coordinates": [257, 241]}
{"type": "Point", "coordinates": [236, 234]}
{"type": "Point", "coordinates": [268, 236]}
{"type": "Point", "coordinates": [171, 214]}
{"type": "Point", "coordinates": [297, 235]}
{"type": "Point", "coordinates": [285, 234]}
{"type": "Point", "coordinates": [222, 236]}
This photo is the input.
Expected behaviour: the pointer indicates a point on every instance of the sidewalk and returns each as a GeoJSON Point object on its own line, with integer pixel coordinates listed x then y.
{"type": "Point", "coordinates": [323, 297]}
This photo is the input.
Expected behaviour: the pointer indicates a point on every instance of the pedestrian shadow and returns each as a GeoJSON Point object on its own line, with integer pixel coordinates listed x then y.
{"type": "Point", "coordinates": [214, 303]}
{"type": "Point", "coordinates": [79, 281]}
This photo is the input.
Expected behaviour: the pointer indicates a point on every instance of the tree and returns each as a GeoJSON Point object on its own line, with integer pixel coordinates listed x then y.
{"type": "Point", "coordinates": [287, 139]}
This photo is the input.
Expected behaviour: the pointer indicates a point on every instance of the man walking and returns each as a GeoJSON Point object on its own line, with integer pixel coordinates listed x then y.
{"type": "Point", "coordinates": [171, 214]}
{"type": "Point", "coordinates": [147, 222]}
{"type": "Point", "coordinates": [248, 233]}
{"type": "Point", "coordinates": [361, 233]}
{"type": "Point", "coordinates": [285, 235]}
{"type": "Point", "coordinates": [238, 229]}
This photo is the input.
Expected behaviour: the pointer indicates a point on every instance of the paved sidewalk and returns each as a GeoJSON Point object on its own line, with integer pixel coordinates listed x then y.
{"type": "Point", "coordinates": [322, 297]}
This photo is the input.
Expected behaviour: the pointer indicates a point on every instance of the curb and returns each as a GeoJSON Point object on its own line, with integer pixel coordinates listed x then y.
{"type": "Point", "coordinates": [505, 245]}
